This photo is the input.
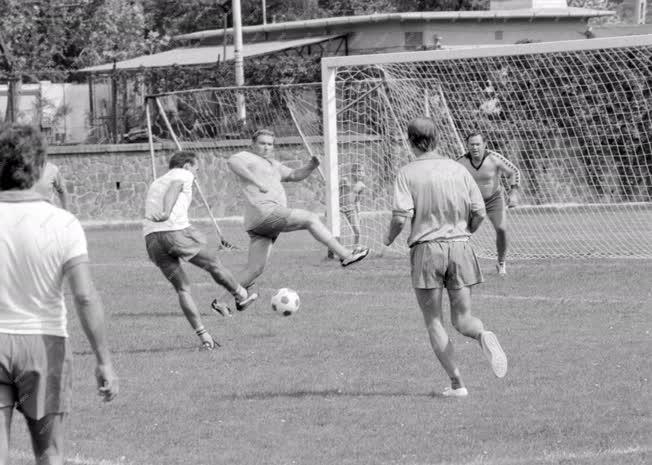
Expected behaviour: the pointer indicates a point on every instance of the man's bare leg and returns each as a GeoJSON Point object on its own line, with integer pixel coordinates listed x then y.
{"type": "Point", "coordinates": [430, 302]}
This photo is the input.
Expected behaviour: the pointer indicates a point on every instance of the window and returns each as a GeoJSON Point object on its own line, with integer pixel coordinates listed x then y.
{"type": "Point", "coordinates": [498, 35]}
{"type": "Point", "coordinates": [413, 40]}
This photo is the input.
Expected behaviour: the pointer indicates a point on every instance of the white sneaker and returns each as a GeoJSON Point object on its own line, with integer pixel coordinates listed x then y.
{"type": "Point", "coordinates": [500, 268]}
{"type": "Point", "coordinates": [459, 392]}
{"type": "Point", "coordinates": [493, 351]}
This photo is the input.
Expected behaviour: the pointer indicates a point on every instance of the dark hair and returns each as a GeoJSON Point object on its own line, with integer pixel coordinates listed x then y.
{"type": "Point", "coordinates": [262, 132]}
{"type": "Point", "coordinates": [474, 134]}
{"type": "Point", "coordinates": [422, 134]}
{"type": "Point", "coordinates": [23, 151]}
{"type": "Point", "coordinates": [181, 157]}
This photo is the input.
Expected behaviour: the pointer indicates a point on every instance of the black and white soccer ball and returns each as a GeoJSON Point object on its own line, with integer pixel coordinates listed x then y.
{"type": "Point", "coordinates": [286, 301]}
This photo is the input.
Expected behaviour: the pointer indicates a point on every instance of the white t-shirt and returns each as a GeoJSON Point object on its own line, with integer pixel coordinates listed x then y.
{"type": "Point", "coordinates": [260, 204]}
{"type": "Point", "coordinates": [36, 240]}
{"type": "Point", "coordinates": [154, 204]}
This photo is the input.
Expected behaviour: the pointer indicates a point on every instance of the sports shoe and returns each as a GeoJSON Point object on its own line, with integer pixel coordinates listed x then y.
{"type": "Point", "coordinates": [500, 268]}
{"type": "Point", "coordinates": [221, 308]}
{"type": "Point", "coordinates": [209, 343]}
{"type": "Point", "coordinates": [495, 355]}
{"type": "Point", "coordinates": [459, 392]}
{"type": "Point", "coordinates": [355, 257]}
{"type": "Point", "coordinates": [241, 305]}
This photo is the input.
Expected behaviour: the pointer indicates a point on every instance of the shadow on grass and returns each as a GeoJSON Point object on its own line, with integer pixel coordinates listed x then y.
{"type": "Point", "coordinates": [323, 393]}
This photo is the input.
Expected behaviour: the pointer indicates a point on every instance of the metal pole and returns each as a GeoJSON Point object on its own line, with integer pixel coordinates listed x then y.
{"type": "Point", "coordinates": [264, 12]}
{"type": "Point", "coordinates": [237, 57]}
{"type": "Point", "coordinates": [223, 242]}
{"type": "Point", "coordinates": [150, 138]}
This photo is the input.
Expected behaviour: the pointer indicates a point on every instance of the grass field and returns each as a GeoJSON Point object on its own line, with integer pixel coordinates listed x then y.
{"type": "Point", "coordinates": [351, 378]}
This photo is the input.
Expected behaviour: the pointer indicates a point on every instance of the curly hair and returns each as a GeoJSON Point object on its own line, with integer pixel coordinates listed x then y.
{"type": "Point", "coordinates": [23, 153]}
{"type": "Point", "coordinates": [422, 134]}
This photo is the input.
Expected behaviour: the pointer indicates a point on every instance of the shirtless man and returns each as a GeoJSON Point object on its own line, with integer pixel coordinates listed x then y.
{"type": "Point", "coordinates": [487, 167]}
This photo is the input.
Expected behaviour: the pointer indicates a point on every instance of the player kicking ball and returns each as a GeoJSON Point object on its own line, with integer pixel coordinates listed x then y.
{"type": "Point", "coordinates": [487, 167]}
{"type": "Point", "coordinates": [170, 238]}
{"type": "Point", "coordinates": [444, 207]}
{"type": "Point", "coordinates": [266, 213]}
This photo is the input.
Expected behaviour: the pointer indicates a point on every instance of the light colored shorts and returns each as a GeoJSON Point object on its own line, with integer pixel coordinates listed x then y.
{"type": "Point", "coordinates": [495, 207]}
{"type": "Point", "coordinates": [450, 265]}
{"type": "Point", "coordinates": [273, 224]}
{"type": "Point", "coordinates": [35, 374]}
{"type": "Point", "coordinates": [167, 248]}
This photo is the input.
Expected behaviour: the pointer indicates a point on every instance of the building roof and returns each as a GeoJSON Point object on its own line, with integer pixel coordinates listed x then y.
{"type": "Point", "coordinates": [447, 16]}
{"type": "Point", "coordinates": [198, 56]}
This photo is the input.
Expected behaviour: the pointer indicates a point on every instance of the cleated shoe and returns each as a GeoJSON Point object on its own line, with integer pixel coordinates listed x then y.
{"type": "Point", "coordinates": [355, 257]}
{"type": "Point", "coordinates": [494, 353]}
{"type": "Point", "coordinates": [221, 308]}
{"type": "Point", "coordinates": [241, 305]}
{"type": "Point", "coordinates": [500, 268]}
{"type": "Point", "coordinates": [459, 392]}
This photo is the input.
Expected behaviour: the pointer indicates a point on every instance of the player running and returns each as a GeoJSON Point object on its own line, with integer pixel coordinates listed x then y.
{"type": "Point", "coordinates": [487, 167]}
{"type": "Point", "coordinates": [267, 215]}
{"type": "Point", "coordinates": [170, 238]}
{"type": "Point", "coordinates": [445, 207]}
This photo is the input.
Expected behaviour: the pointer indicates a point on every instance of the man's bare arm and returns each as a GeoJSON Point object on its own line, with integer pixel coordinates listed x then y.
{"type": "Point", "coordinates": [91, 315]}
{"type": "Point", "coordinates": [239, 167]}
{"type": "Point", "coordinates": [476, 220]}
{"type": "Point", "coordinates": [169, 200]}
{"type": "Point", "coordinates": [299, 174]}
{"type": "Point", "coordinates": [59, 186]}
{"type": "Point", "coordinates": [396, 225]}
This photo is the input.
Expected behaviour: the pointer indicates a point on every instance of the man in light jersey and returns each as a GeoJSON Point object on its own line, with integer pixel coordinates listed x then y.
{"type": "Point", "coordinates": [41, 246]}
{"type": "Point", "coordinates": [170, 238]}
{"type": "Point", "coordinates": [266, 212]}
{"type": "Point", "coordinates": [487, 167]}
{"type": "Point", "coordinates": [445, 207]}
{"type": "Point", "coordinates": [51, 181]}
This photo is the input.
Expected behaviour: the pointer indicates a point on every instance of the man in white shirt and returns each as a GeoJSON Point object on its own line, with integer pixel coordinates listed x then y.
{"type": "Point", "coordinates": [51, 181]}
{"type": "Point", "coordinates": [444, 206]}
{"type": "Point", "coordinates": [267, 214]}
{"type": "Point", "coordinates": [40, 247]}
{"type": "Point", "coordinates": [170, 238]}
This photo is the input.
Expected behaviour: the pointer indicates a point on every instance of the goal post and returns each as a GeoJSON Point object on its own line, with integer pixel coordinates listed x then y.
{"type": "Point", "coordinates": [574, 116]}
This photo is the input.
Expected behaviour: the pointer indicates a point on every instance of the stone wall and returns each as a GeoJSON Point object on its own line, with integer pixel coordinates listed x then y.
{"type": "Point", "coordinates": [108, 183]}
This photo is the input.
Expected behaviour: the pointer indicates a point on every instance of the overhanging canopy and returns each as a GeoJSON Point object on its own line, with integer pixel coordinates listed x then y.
{"type": "Point", "coordinates": [205, 55]}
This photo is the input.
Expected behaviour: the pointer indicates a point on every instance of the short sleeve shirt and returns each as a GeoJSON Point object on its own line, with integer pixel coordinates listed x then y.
{"type": "Point", "coordinates": [154, 203]}
{"type": "Point", "coordinates": [36, 240]}
{"type": "Point", "coordinates": [439, 196]}
{"type": "Point", "coordinates": [259, 205]}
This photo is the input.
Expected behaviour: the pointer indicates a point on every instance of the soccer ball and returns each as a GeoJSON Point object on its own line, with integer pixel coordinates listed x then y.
{"type": "Point", "coordinates": [286, 301]}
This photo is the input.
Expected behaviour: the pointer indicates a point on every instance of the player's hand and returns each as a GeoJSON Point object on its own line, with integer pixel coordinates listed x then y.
{"type": "Point", "coordinates": [107, 382]}
{"type": "Point", "coordinates": [158, 217]}
{"type": "Point", "coordinates": [315, 162]}
{"type": "Point", "coordinates": [263, 189]}
{"type": "Point", "coordinates": [512, 200]}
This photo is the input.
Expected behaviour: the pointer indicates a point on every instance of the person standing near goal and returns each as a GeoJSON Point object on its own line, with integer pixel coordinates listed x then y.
{"type": "Point", "coordinates": [266, 213]}
{"type": "Point", "coordinates": [445, 208]}
{"type": "Point", "coordinates": [170, 238]}
{"type": "Point", "coordinates": [41, 247]}
{"type": "Point", "coordinates": [487, 168]}
{"type": "Point", "coordinates": [51, 181]}
{"type": "Point", "coordinates": [351, 190]}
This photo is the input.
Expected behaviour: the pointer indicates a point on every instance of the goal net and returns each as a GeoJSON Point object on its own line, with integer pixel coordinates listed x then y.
{"type": "Point", "coordinates": [575, 117]}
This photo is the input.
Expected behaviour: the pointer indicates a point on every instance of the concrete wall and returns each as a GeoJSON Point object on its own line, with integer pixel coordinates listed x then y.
{"type": "Point", "coordinates": [109, 182]}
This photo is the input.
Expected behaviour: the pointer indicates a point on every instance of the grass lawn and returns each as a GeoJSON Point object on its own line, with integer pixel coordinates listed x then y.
{"type": "Point", "coordinates": [351, 378]}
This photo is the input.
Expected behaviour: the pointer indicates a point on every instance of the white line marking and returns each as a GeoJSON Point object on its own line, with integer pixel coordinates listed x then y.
{"type": "Point", "coordinates": [76, 460]}
{"type": "Point", "coordinates": [555, 457]}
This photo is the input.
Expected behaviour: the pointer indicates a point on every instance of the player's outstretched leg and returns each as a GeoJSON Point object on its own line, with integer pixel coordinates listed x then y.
{"type": "Point", "coordinates": [303, 219]}
{"type": "Point", "coordinates": [222, 276]}
{"type": "Point", "coordinates": [431, 307]}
